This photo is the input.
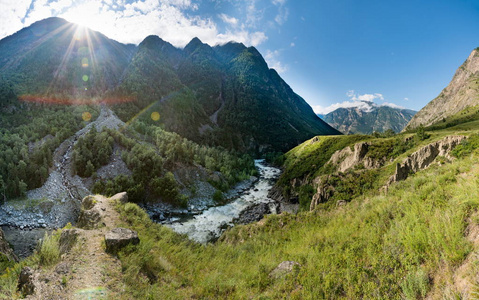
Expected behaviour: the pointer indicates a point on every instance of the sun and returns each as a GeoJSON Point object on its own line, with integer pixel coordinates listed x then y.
{"type": "Point", "coordinates": [85, 15]}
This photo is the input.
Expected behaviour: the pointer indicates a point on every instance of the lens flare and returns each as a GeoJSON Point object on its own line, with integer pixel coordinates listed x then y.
{"type": "Point", "coordinates": [84, 62]}
{"type": "Point", "coordinates": [85, 78]}
{"type": "Point", "coordinates": [155, 116]}
{"type": "Point", "coordinates": [86, 116]}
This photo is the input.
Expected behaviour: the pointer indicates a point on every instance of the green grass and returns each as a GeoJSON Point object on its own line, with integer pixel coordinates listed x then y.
{"type": "Point", "coordinates": [390, 246]}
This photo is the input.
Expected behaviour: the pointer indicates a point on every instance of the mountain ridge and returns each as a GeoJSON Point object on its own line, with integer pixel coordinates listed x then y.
{"type": "Point", "coordinates": [460, 93]}
{"type": "Point", "coordinates": [368, 119]}
{"type": "Point", "coordinates": [224, 95]}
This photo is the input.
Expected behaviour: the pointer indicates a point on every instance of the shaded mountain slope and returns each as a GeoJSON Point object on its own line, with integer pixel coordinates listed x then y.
{"type": "Point", "coordinates": [224, 95]}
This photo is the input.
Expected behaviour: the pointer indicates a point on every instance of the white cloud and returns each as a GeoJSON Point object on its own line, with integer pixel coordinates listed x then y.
{"type": "Point", "coordinates": [283, 11]}
{"type": "Point", "coordinates": [292, 45]}
{"type": "Point", "coordinates": [172, 20]}
{"type": "Point", "coordinates": [362, 105]}
{"type": "Point", "coordinates": [229, 20]}
{"type": "Point", "coordinates": [392, 105]}
{"type": "Point", "coordinates": [363, 102]}
{"type": "Point", "coordinates": [365, 97]}
{"type": "Point", "coordinates": [272, 58]}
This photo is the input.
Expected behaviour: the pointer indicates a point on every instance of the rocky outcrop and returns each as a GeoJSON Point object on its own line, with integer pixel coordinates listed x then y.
{"type": "Point", "coordinates": [323, 193]}
{"type": "Point", "coordinates": [424, 157]}
{"type": "Point", "coordinates": [118, 238]}
{"type": "Point", "coordinates": [348, 158]}
{"type": "Point", "coordinates": [462, 92]}
{"type": "Point", "coordinates": [90, 215]}
{"type": "Point", "coordinates": [256, 212]}
{"type": "Point", "coordinates": [284, 268]}
{"type": "Point", "coordinates": [26, 281]}
{"type": "Point", "coordinates": [120, 197]}
{"type": "Point", "coordinates": [5, 249]}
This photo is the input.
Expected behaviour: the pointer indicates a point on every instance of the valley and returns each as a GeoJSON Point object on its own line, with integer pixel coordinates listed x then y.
{"type": "Point", "coordinates": [149, 171]}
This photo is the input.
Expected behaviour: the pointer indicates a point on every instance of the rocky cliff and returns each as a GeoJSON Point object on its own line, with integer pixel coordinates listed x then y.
{"type": "Point", "coordinates": [462, 92]}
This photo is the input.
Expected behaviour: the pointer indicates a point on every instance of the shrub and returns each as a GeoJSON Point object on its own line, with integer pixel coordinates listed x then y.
{"type": "Point", "coordinates": [49, 252]}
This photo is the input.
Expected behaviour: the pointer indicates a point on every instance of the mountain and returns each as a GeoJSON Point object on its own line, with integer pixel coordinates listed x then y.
{"type": "Point", "coordinates": [461, 93]}
{"type": "Point", "coordinates": [224, 95]}
{"type": "Point", "coordinates": [368, 119]}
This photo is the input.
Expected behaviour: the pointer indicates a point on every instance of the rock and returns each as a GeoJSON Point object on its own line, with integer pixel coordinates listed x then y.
{"type": "Point", "coordinates": [118, 238]}
{"type": "Point", "coordinates": [341, 203]}
{"type": "Point", "coordinates": [424, 157]}
{"type": "Point", "coordinates": [284, 268]}
{"type": "Point", "coordinates": [68, 238]}
{"type": "Point", "coordinates": [88, 202]}
{"type": "Point", "coordinates": [63, 268]}
{"type": "Point", "coordinates": [26, 281]}
{"type": "Point", "coordinates": [256, 213]}
{"type": "Point", "coordinates": [89, 219]}
{"type": "Point", "coordinates": [121, 197]}
{"type": "Point", "coordinates": [458, 95]}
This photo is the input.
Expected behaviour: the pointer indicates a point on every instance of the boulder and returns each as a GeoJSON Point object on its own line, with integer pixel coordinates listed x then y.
{"type": "Point", "coordinates": [68, 239]}
{"type": "Point", "coordinates": [26, 281]}
{"type": "Point", "coordinates": [284, 268]}
{"type": "Point", "coordinates": [89, 219]}
{"type": "Point", "coordinates": [120, 197]}
{"type": "Point", "coordinates": [88, 202]}
{"type": "Point", "coordinates": [118, 238]}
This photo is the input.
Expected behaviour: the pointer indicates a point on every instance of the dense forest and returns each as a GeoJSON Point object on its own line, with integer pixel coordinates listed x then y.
{"type": "Point", "coordinates": [152, 161]}
{"type": "Point", "coordinates": [29, 134]}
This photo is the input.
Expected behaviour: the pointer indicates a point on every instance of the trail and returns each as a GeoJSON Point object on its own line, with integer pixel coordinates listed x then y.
{"type": "Point", "coordinates": [86, 271]}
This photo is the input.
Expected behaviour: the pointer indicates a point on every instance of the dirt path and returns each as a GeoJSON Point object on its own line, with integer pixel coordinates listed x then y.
{"type": "Point", "coordinates": [86, 271]}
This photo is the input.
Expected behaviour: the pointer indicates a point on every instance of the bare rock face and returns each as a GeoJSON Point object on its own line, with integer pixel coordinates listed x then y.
{"type": "Point", "coordinates": [423, 158]}
{"type": "Point", "coordinates": [284, 268]}
{"type": "Point", "coordinates": [121, 197]}
{"type": "Point", "coordinates": [26, 281]}
{"type": "Point", "coordinates": [90, 215]}
{"type": "Point", "coordinates": [68, 238]}
{"type": "Point", "coordinates": [118, 238]}
{"type": "Point", "coordinates": [323, 193]}
{"type": "Point", "coordinates": [462, 92]}
{"type": "Point", "coordinates": [346, 158]}
{"type": "Point", "coordinates": [5, 248]}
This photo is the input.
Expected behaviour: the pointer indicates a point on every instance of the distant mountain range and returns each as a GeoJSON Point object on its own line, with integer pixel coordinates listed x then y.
{"type": "Point", "coordinates": [461, 93]}
{"type": "Point", "coordinates": [368, 118]}
{"type": "Point", "coordinates": [224, 95]}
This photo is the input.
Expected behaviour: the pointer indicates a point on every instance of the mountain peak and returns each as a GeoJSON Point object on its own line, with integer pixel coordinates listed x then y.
{"type": "Point", "coordinates": [462, 92]}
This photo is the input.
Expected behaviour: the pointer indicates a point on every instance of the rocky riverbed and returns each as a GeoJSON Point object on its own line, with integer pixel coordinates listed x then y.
{"type": "Point", "coordinates": [249, 205]}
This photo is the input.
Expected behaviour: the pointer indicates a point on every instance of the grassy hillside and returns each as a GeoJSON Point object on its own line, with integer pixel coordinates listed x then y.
{"type": "Point", "coordinates": [417, 240]}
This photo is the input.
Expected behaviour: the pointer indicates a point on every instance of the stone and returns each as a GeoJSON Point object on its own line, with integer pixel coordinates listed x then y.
{"type": "Point", "coordinates": [121, 197]}
{"type": "Point", "coordinates": [26, 281]}
{"type": "Point", "coordinates": [89, 219]}
{"type": "Point", "coordinates": [68, 238]}
{"type": "Point", "coordinates": [63, 268]}
{"type": "Point", "coordinates": [88, 202]}
{"type": "Point", "coordinates": [118, 238]}
{"type": "Point", "coordinates": [284, 268]}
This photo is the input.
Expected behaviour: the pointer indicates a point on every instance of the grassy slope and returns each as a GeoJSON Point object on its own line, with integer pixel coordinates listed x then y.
{"type": "Point", "coordinates": [411, 242]}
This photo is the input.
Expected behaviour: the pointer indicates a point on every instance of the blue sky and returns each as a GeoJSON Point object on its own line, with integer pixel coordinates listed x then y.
{"type": "Point", "coordinates": [334, 53]}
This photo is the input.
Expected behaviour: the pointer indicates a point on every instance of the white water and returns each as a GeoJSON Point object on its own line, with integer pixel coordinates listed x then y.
{"type": "Point", "coordinates": [212, 222]}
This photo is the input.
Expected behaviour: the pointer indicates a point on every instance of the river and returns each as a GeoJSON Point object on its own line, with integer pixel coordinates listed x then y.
{"type": "Point", "coordinates": [211, 223]}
